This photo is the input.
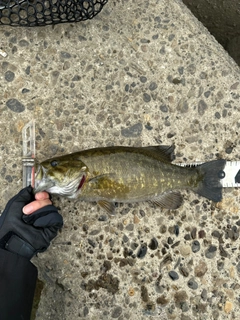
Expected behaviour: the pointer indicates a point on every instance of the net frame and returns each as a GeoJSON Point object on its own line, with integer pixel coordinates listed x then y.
{"type": "Point", "coordinates": [33, 13]}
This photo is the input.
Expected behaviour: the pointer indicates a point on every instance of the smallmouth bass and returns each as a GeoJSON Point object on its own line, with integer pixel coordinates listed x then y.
{"type": "Point", "coordinates": [128, 174]}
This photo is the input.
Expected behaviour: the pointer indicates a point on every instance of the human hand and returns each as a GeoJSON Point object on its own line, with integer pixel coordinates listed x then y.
{"type": "Point", "coordinates": [28, 224]}
{"type": "Point", "coordinates": [41, 200]}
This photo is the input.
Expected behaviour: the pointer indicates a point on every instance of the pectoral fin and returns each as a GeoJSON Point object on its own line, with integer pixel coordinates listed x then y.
{"type": "Point", "coordinates": [108, 206]}
{"type": "Point", "coordinates": [170, 200]}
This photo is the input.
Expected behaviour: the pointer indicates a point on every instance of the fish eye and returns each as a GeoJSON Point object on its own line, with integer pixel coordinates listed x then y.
{"type": "Point", "coordinates": [54, 163]}
{"type": "Point", "coordinates": [221, 174]}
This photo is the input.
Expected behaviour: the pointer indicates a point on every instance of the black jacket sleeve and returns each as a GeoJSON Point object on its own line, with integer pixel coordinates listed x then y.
{"type": "Point", "coordinates": [18, 278]}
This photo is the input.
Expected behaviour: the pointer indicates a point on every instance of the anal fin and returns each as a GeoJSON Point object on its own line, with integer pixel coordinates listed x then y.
{"type": "Point", "coordinates": [107, 206]}
{"type": "Point", "coordinates": [169, 200]}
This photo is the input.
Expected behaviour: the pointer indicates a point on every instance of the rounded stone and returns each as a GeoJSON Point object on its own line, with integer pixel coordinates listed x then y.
{"type": "Point", "coordinates": [200, 269]}
{"type": "Point", "coordinates": [210, 253]}
{"type": "Point", "coordinates": [15, 106]}
{"type": "Point", "coordinates": [153, 244]}
{"type": "Point", "coordinates": [192, 284]}
{"type": "Point", "coordinates": [185, 250]}
{"type": "Point", "coordinates": [153, 86]}
{"type": "Point", "coordinates": [195, 246]}
{"type": "Point", "coordinates": [184, 271]}
{"type": "Point", "coordinates": [179, 297]}
{"type": "Point", "coordinates": [228, 306]}
{"type": "Point", "coordinates": [143, 79]}
{"type": "Point", "coordinates": [117, 311]}
{"type": "Point", "coordinates": [173, 275]}
{"type": "Point", "coordinates": [9, 76]}
{"type": "Point", "coordinates": [202, 107]}
{"type": "Point", "coordinates": [142, 251]}
{"type": "Point", "coordinates": [133, 131]}
{"type": "Point", "coordinates": [65, 55]}
{"type": "Point", "coordinates": [164, 108]}
{"type": "Point", "coordinates": [146, 97]}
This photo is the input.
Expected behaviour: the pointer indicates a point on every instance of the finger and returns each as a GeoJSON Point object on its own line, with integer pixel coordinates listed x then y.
{"type": "Point", "coordinates": [41, 195]}
{"type": "Point", "coordinates": [36, 205]}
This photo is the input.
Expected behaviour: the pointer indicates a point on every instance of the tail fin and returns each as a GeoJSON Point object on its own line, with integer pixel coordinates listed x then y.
{"type": "Point", "coordinates": [210, 187]}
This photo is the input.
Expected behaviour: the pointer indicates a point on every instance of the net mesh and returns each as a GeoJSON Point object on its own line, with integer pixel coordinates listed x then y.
{"type": "Point", "coordinates": [40, 13]}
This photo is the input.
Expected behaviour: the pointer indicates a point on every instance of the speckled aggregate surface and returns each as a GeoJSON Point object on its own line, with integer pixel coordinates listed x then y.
{"type": "Point", "coordinates": [141, 73]}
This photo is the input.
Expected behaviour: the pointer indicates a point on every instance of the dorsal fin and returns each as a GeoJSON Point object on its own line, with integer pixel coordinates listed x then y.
{"type": "Point", "coordinates": [164, 153]}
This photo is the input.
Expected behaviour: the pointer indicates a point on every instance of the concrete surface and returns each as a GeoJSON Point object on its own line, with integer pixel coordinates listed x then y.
{"type": "Point", "coordinates": [141, 73]}
{"type": "Point", "coordinates": [222, 18]}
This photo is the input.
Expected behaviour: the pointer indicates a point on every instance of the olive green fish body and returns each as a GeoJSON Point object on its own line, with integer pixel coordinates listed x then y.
{"type": "Point", "coordinates": [125, 177]}
{"type": "Point", "coordinates": [126, 174]}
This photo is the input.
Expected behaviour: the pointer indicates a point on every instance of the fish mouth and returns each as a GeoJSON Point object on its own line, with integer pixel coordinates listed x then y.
{"type": "Point", "coordinates": [42, 182]}
{"type": "Point", "coordinates": [69, 190]}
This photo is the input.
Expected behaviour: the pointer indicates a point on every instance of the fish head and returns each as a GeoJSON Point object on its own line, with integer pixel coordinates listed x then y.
{"type": "Point", "coordinates": [63, 176]}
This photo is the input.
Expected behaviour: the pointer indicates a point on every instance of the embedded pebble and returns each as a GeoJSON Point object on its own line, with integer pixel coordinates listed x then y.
{"type": "Point", "coordinates": [153, 244]}
{"type": "Point", "coordinates": [143, 79]}
{"type": "Point", "coordinates": [184, 271]}
{"type": "Point", "coordinates": [103, 217]}
{"type": "Point", "coordinates": [194, 233]}
{"type": "Point", "coordinates": [164, 108]}
{"type": "Point", "coordinates": [65, 55]}
{"type": "Point", "coordinates": [176, 244]}
{"type": "Point", "coordinates": [201, 234]}
{"type": "Point", "coordinates": [200, 269]}
{"type": "Point", "coordinates": [136, 220]}
{"type": "Point", "coordinates": [192, 284]}
{"type": "Point", "coordinates": [204, 295]}
{"type": "Point", "coordinates": [216, 234]}
{"type": "Point", "coordinates": [153, 86]}
{"type": "Point", "coordinates": [180, 297]}
{"type": "Point", "coordinates": [25, 90]}
{"type": "Point", "coordinates": [162, 300]}
{"type": "Point", "coordinates": [220, 265]}
{"type": "Point", "coordinates": [23, 43]}
{"type": "Point", "coordinates": [117, 311]}
{"type": "Point", "coordinates": [146, 97]}
{"type": "Point", "coordinates": [163, 229]}
{"type": "Point", "coordinates": [228, 306]}
{"type": "Point", "coordinates": [9, 76]}
{"type": "Point", "coordinates": [210, 253]}
{"type": "Point", "coordinates": [185, 250]}
{"type": "Point", "coordinates": [173, 275]}
{"type": "Point", "coordinates": [195, 246]}
{"type": "Point", "coordinates": [202, 107]}
{"type": "Point", "coordinates": [85, 311]}
{"type": "Point", "coordinates": [176, 230]}
{"type": "Point", "coordinates": [142, 251]}
{"type": "Point", "coordinates": [144, 294]}
{"type": "Point", "coordinates": [222, 251]}
{"type": "Point", "coordinates": [133, 131]}
{"type": "Point", "coordinates": [182, 106]}
{"type": "Point", "coordinates": [15, 105]}
{"type": "Point", "coordinates": [187, 237]}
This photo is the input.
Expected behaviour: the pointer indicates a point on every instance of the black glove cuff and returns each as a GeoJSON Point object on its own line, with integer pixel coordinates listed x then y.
{"type": "Point", "coordinates": [13, 243]}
